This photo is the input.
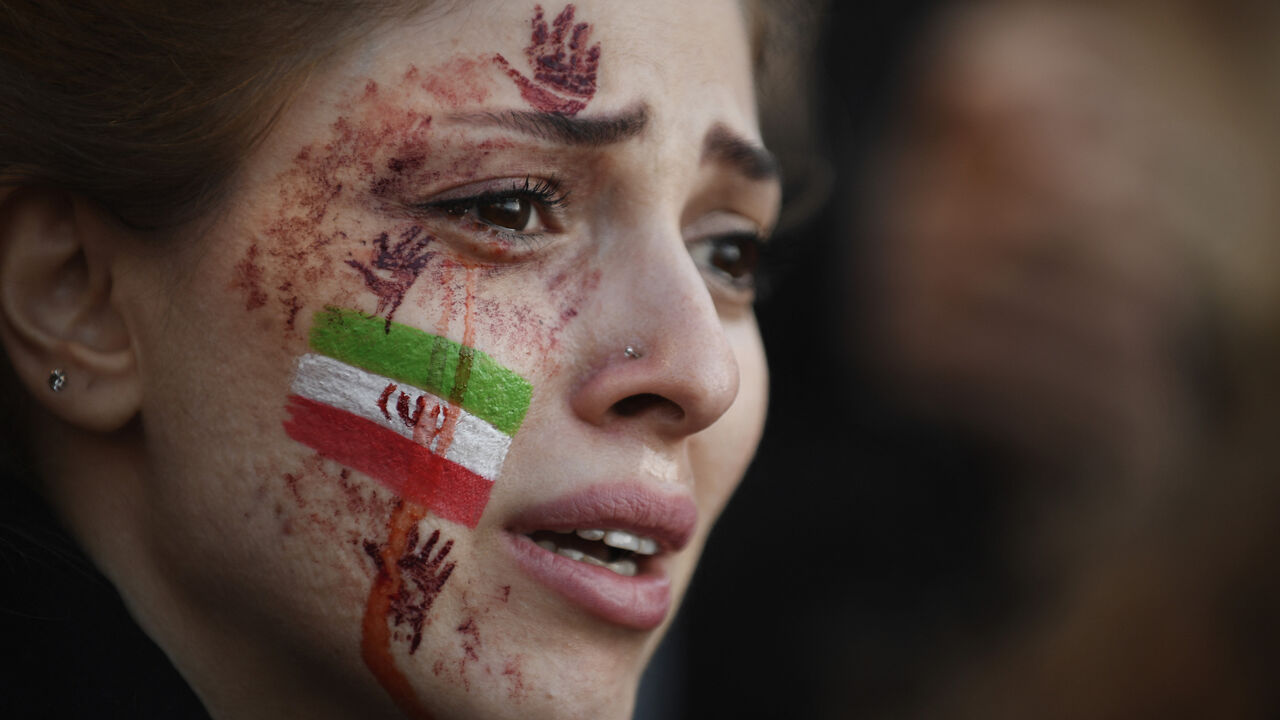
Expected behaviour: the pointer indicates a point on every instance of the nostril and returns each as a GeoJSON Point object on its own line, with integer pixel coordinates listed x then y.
{"type": "Point", "coordinates": [639, 404]}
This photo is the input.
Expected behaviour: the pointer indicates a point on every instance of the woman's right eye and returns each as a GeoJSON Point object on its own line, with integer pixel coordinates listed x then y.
{"type": "Point", "coordinates": [513, 209]}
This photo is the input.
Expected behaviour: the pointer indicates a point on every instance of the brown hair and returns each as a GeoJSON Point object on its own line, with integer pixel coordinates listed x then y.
{"type": "Point", "coordinates": [146, 107]}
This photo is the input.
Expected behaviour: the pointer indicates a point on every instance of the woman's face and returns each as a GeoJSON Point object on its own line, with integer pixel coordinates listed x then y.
{"type": "Point", "coordinates": [487, 282]}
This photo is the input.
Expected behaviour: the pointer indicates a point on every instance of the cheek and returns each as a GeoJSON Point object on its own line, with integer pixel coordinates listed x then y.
{"type": "Point", "coordinates": [753, 377]}
{"type": "Point", "coordinates": [240, 522]}
{"type": "Point", "coordinates": [524, 316]}
{"type": "Point", "coordinates": [722, 452]}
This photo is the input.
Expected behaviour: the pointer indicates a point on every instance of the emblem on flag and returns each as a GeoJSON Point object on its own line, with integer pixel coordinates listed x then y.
{"type": "Point", "coordinates": [429, 418]}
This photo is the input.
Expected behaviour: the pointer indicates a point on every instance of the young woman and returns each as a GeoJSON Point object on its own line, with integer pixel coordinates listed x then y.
{"type": "Point", "coordinates": [387, 360]}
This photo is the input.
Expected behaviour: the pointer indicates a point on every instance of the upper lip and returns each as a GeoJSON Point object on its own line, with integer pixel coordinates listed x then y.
{"type": "Point", "coordinates": [669, 518]}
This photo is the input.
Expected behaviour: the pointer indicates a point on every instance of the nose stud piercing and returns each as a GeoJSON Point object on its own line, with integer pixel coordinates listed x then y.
{"type": "Point", "coordinates": [57, 380]}
{"type": "Point", "coordinates": [631, 352]}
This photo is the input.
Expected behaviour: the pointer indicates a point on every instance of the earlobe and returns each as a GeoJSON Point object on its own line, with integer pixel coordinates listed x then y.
{"type": "Point", "coordinates": [57, 259]}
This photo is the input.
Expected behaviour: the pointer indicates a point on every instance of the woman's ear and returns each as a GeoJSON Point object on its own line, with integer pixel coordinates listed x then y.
{"type": "Point", "coordinates": [58, 317]}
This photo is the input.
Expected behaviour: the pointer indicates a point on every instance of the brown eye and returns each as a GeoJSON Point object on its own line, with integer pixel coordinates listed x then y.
{"type": "Point", "coordinates": [734, 255]}
{"type": "Point", "coordinates": [524, 208]}
{"type": "Point", "coordinates": [505, 212]}
{"type": "Point", "coordinates": [508, 213]}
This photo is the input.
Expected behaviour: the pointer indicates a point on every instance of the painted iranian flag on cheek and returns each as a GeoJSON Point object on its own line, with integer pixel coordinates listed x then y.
{"type": "Point", "coordinates": [429, 418]}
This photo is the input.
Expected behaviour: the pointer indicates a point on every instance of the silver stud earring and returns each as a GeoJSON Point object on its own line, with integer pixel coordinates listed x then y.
{"type": "Point", "coordinates": [57, 380]}
{"type": "Point", "coordinates": [632, 353]}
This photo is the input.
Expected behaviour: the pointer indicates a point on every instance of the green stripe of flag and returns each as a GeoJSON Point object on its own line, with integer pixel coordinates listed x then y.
{"type": "Point", "coordinates": [463, 375]}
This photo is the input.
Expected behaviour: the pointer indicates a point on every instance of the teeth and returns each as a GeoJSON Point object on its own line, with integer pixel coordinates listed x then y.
{"type": "Point", "coordinates": [626, 541]}
{"type": "Point", "coordinates": [620, 539]}
{"type": "Point", "coordinates": [623, 567]}
{"type": "Point", "coordinates": [571, 553]}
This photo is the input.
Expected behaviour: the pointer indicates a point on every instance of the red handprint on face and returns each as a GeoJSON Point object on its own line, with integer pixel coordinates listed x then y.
{"type": "Point", "coordinates": [422, 577]}
{"type": "Point", "coordinates": [564, 67]}
{"type": "Point", "coordinates": [404, 261]}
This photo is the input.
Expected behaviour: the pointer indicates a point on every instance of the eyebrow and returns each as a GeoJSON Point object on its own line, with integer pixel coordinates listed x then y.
{"type": "Point", "coordinates": [752, 160]}
{"type": "Point", "coordinates": [593, 131]}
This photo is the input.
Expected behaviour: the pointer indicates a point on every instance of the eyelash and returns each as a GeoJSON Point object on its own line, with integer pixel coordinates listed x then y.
{"type": "Point", "coordinates": [549, 200]}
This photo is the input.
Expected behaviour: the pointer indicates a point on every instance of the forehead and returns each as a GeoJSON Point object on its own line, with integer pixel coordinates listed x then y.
{"type": "Point", "coordinates": [687, 61]}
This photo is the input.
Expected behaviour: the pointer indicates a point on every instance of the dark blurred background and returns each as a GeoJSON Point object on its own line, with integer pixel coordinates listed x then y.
{"type": "Point", "coordinates": [1021, 318]}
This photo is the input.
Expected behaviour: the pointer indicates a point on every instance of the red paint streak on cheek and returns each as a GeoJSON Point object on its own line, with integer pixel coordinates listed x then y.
{"type": "Point", "coordinates": [409, 580]}
{"type": "Point", "coordinates": [569, 292]}
{"type": "Point", "coordinates": [471, 637]}
{"type": "Point", "coordinates": [574, 297]}
{"type": "Point", "coordinates": [444, 435]}
{"type": "Point", "coordinates": [407, 583]}
{"type": "Point", "coordinates": [292, 304]}
{"type": "Point", "coordinates": [470, 633]}
{"type": "Point", "coordinates": [469, 310]}
{"type": "Point", "coordinates": [515, 679]}
{"type": "Point", "coordinates": [565, 65]}
{"type": "Point", "coordinates": [331, 502]}
{"type": "Point", "coordinates": [248, 279]}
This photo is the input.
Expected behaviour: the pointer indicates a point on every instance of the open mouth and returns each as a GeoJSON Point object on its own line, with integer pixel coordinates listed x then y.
{"type": "Point", "coordinates": [607, 549]}
{"type": "Point", "coordinates": [616, 550]}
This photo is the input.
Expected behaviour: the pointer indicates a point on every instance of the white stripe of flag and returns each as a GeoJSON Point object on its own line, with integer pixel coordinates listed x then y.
{"type": "Point", "coordinates": [476, 446]}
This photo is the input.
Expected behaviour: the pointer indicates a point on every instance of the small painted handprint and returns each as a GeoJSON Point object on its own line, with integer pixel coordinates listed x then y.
{"type": "Point", "coordinates": [563, 61]}
{"type": "Point", "coordinates": [422, 577]}
{"type": "Point", "coordinates": [404, 261]}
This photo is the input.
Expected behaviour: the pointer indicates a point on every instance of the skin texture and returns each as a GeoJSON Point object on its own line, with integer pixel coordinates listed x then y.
{"type": "Point", "coordinates": [261, 567]}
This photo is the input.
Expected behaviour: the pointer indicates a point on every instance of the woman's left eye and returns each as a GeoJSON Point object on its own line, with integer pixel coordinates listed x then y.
{"type": "Point", "coordinates": [734, 256]}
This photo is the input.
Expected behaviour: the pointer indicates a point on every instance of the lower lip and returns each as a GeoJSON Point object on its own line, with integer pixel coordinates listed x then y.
{"type": "Point", "coordinates": [640, 602]}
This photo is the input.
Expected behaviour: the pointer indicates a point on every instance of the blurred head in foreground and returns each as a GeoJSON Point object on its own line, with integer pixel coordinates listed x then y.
{"type": "Point", "coordinates": [1077, 245]}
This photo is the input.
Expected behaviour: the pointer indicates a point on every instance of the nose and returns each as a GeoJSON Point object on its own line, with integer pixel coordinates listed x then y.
{"type": "Point", "coordinates": [681, 373]}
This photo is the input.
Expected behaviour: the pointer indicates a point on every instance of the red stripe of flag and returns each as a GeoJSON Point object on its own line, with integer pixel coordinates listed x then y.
{"type": "Point", "coordinates": [406, 468]}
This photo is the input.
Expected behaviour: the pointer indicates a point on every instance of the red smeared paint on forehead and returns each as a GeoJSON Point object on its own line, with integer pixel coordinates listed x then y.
{"type": "Point", "coordinates": [459, 82]}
